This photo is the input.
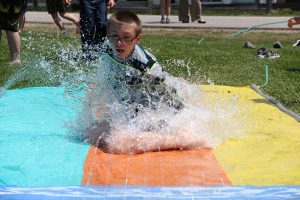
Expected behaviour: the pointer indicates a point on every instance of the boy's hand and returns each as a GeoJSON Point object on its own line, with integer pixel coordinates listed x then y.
{"type": "Point", "coordinates": [111, 4]}
{"type": "Point", "coordinates": [68, 2]}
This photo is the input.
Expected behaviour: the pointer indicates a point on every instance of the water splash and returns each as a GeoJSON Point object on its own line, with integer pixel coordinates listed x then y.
{"type": "Point", "coordinates": [195, 126]}
{"type": "Point", "coordinates": [160, 126]}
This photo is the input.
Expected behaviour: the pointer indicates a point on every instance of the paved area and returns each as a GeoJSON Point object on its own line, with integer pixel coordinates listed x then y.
{"type": "Point", "coordinates": [214, 22]}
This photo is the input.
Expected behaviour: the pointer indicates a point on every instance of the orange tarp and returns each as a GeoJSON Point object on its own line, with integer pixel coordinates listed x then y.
{"type": "Point", "coordinates": [166, 168]}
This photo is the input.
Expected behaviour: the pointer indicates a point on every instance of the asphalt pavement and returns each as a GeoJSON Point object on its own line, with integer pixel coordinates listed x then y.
{"type": "Point", "coordinates": [212, 22]}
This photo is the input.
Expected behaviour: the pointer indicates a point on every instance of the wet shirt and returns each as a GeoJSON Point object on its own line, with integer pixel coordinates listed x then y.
{"type": "Point", "coordinates": [139, 80]}
{"type": "Point", "coordinates": [140, 68]}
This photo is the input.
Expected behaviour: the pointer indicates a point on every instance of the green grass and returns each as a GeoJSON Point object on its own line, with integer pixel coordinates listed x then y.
{"type": "Point", "coordinates": [216, 59]}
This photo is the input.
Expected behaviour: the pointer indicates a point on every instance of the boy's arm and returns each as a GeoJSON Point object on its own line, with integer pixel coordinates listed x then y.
{"type": "Point", "coordinates": [155, 74]}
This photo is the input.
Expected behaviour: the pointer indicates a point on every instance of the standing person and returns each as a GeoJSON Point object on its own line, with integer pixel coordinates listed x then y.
{"type": "Point", "coordinates": [93, 23]}
{"type": "Point", "coordinates": [9, 21]}
{"type": "Point", "coordinates": [195, 10]}
{"type": "Point", "coordinates": [165, 10]}
{"type": "Point", "coordinates": [22, 16]}
{"type": "Point", "coordinates": [58, 6]}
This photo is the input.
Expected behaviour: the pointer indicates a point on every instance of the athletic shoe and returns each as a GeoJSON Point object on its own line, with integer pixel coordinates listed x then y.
{"type": "Point", "coordinates": [162, 21]}
{"type": "Point", "coordinates": [277, 45]}
{"type": "Point", "coordinates": [261, 52]}
{"type": "Point", "coordinates": [297, 43]}
{"type": "Point", "coordinates": [272, 54]}
{"type": "Point", "coordinates": [168, 21]}
{"type": "Point", "coordinates": [185, 21]}
{"type": "Point", "coordinates": [200, 21]}
{"type": "Point", "coordinates": [249, 45]}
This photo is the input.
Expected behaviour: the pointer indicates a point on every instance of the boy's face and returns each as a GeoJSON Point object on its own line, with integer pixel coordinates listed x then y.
{"type": "Point", "coordinates": [123, 38]}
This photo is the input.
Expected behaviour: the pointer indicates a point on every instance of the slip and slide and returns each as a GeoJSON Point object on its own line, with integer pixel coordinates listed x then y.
{"type": "Point", "coordinates": [36, 149]}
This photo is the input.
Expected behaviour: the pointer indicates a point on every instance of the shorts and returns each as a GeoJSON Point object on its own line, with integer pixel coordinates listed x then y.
{"type": "Point", "coordinates": [9, 22]}
{"type": "Point", "coordinates": [54, 6]}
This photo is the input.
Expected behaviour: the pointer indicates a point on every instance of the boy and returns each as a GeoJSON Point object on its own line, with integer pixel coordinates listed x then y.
{"type": "Point", "coordinates": [133, 84]}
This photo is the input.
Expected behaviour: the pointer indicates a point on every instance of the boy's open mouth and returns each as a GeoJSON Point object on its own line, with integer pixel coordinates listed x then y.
{"type": "Point", "coordinates": [119, 51]}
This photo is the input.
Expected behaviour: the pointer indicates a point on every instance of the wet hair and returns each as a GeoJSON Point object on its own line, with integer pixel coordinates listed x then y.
{"type": "Point", "coordinates": [127, 17]}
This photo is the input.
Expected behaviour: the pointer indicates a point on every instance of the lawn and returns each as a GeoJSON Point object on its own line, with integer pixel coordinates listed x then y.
{"type": "Point", "coordinates": [200, 56]}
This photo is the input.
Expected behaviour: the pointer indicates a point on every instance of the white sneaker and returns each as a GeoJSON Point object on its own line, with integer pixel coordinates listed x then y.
{"type": "Point", "coordinates": [297, 43]}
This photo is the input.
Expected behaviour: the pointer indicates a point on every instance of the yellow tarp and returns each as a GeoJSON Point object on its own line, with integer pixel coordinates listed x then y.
{"type": "Point", "coordinates": [268, 151]}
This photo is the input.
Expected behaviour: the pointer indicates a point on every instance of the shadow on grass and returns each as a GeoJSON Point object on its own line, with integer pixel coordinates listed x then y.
{"type": "Point", "coordinates": [294, 69]}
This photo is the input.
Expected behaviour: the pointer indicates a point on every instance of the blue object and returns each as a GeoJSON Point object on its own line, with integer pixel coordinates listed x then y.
{"type": "Point", "coordinates": [39, 161]}
{"type": "Point", "coordinates": [35, 146]}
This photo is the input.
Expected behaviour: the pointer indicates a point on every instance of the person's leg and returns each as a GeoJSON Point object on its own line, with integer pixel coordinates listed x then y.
{"type": "Point", "coordinates": [58, 21]}
{"type": "Point", "coordinates": [52, 7]}
{"type": "Point", "coordinates": [14, 45]}
{"type": "Point", "coordinates": [21, 21]}
{"type": "Point", "coordinates": [70, 17]}
{"type": "Point", "coordinates": [162, 11]}
{"type": "Point", "coordinates": [22, 16]}
{"type": "Point", "coordinates": [87, 24]}
{"type": "Point", "coordinates": [184, 11]}
{"type": "Point", "coordinates": [101, 23]}
{"type": "Point", "coordinates": [196, 11]}
{"type": "Point", "coordinates": [168, 10]}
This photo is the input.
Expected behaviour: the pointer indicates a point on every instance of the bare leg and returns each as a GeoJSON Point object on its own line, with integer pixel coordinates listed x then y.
{"type": "Point", "coordinates": [58, 21]}
{"type": "Point", "coordinates": [127, 143]}
{"type": "Point", "coordinates": [71, 18]}
{"type": "Point", "coordinates": [21, 22]}
{"type": "Point", "coordinates": [14, 44]}
{"type": "Point", "coordinates": [162, 11]}
{"type": "Point", "coordinates": [168, 7]}
{"type": "Point", "coordinates": [168, 10]}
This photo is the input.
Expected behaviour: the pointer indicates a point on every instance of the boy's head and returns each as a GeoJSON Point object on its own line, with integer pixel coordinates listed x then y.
{"type": "Point", "coordinates": [124, 32]}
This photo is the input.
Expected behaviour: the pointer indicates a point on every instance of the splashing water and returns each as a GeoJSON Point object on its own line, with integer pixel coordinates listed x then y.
{"type": "Point", "coordinates": [154, 127]}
